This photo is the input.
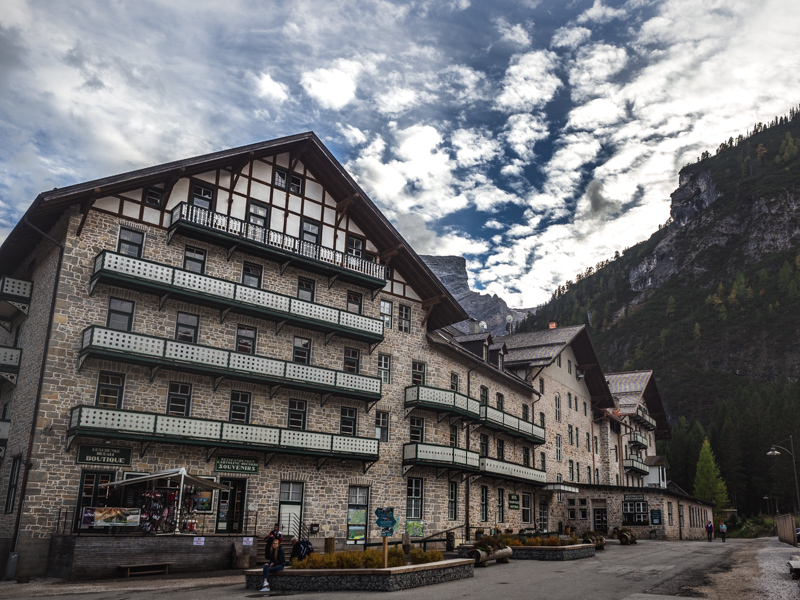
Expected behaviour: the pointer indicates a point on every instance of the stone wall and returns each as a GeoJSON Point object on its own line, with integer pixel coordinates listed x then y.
{"type": "Point", "coordinates": [554, 553]}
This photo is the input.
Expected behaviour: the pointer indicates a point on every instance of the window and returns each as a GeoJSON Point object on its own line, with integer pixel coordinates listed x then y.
{"type": "Point", "coordinates": [569, 367]}
{"type": "Point", "coordinates": [635, 513]}
{"type": "Point", "coordinates": [526, 457]}
{"type": "Point", "coordinates": [354, 302]}
{"type": "Point", "coordinates": [596, 445]}
{"type": "Point", "coordinates": [194, 260]}
{"type": "Point", "coordinates": [301, 352]}
{"type": "Point", "coordinates": [559, 496]}
{"type": "Point", "coordinates": [588, 442]}
{"type": "Point", "coordinates": [352, 359]}
{"type": "Point", "coordinates": [202, 196]}
{"type": "Point", "coordinates": [452, 501]}
{"type": "Point", "coordinates": [542, 460]}
{"type": "Point", "coordinates": [404, 319]}
{"type": "Point", "coordinates": [585, 413]}
{"type": "Point", "coordinates": [297, 414]}
{"type": "Point", "coordinates": [558, 408]}
{"type": "Point", "coordinates": [589, 474]}
{"type": "Point", "coordinates": [454, 381]}
{"type": "Point", "coordinates": [152, 197]}
{"type": "Point", "coordinates": [305, 289]}
{"type": "Point", "coordinates": [584, 513]}
{"type": "Point", "coordinates": [295, 182]}
{"type": "Point", "coordinates": [501, 449]}
{"type": "Point", "coordinates": [501, 505]}
{"type": "Point", "coordinates": [669, 513]}
{"type": "Point", "coordinates": [454, 436]}
{"type": "Point", "coordinates": [483, 447]}
{"type": "Point", "coordinates": [251, 275]}
{"type": "Point", "coordinates": [240, 407]}
{"type": "Point", "coordinates": [179, 399]}
{"type": "Point", "coordinates": [526, 508]}
{"type": "Point", "coordinates": [385, 368]}
{"type": "Point", "coordinates": [543, 521]}
{"type": "Point", "coordinates": [616, 453]}
{"type": "Point", "coordinates": [570, 435]}
{"type": "Point", "coordinates": [386, 314]}
{"type": "Point", "coordinates": [120, 314]}
{"type": "Point", "coordinates": [291, 491]}
{"type": "Point", "coordinates": [357, 504]}
{"type": "Point", "coordinates": [354, 246]}
{"type": "Point", "coordinates": [310, 231]}
{"type": "Point", "coordinates": [13, 480]}
{"type": "Point", "coordinates": [577, 437]}
{"type": "Point", "coordinates": [541, 385]}
{"type": "Point", "coordinates": [578, 471]}
{"type": "Point", "coordinates": [558, 360]}
{"type": "Point", "coordinates": [130, 242]}
{"type": "Point", "coordinates": [484, 503]}
{"type": "Point", "coordinates": [541, 420]}
{"type": "Point", "coordinates": [417, 430]}
{"type": "Point", "coordinates": [484, 395]}
{"type": "Point", "coordinates": [417, 373]}
{"type": "Point", "coordinates": [571, 471]}
{"type": "Point", "coordinates": [617, 478]}
{"type": "Point", "coordinates": [347, 421]}
{"type": "Point", "coordinates": [258, 214]}
{"type": "Point", "coordinates": [501, 402]}
{"type": "Point", "coordinates": [571, 514]}
{"type": "Point", "coordinates": [109, 390]}
{"type": "Point", "coordinates": [414, 499]}
{"type": "Point", "coordinates": [525, 413]}
{"type": "Point", "coordinates": [382, 426]}
{"type": "Point", "coordinates": [569, 400]}
{"type": "Point", "coordinates": [558, 448]}
{"type": "Point", "coordinates": [246, 339]}
{"type": "Point", "coordinates": [186, 328]}
{"type": "Point", "coordinates": [597, 476]}
{"type": "Point", "coordinates": [576, 404]}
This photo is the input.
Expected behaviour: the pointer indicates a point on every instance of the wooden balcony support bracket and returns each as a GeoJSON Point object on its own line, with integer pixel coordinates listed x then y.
{"type": "Point", "coordinates": [279, 325]}
{"type": "Point", "coordinates": [440, 472]}
{"type": "Point", "coordinates": [170, 185]}
{"type": "Point", "coordinates": [332, 279]}
{"type": "Point", "coordinates": [442, 417]}
{"type": "Point", "coordinates": [371, 405]}
{"type": "Point", "coordinates": [230, 252]}
{"type": "Point", "coordinates": [321, 461]}
{"type": "Point", "coordinates": [474, 478]}
{"type": "Point", "coordinates": [217, 381]}
{"type": "Point", "coordinates": [371, 347]}
{"type": "Point", "coordinates": [210, 452]}
{"type": "Point", "coordinates": [273, 389]}
{"type": "Point", "coordinates": [10, 377]}
{"type": "Point", "coordinates": [323, 398]}
{"type": "Point", "coordinates": [223, 313]}
{"type": "Point", "coordinates": [342, 206]}
{"type": "Point", "coordinates": [408, 412]}
{"type": "Point", "coordinates": [153, 372]}
{"type": "Point", "coordinates": [236, 172]}
{"type": "Point", "coordinates": [8, 325]}
{"type": "Point", "coordinates": [368, 465]}
{"type": "Point", "coordinates": [70, 439]}
{"type": "Point", "coordinates": [86, 205]}
{"type": "Point", "coordinates": [143, 447]}
{"type": "Point", "coordinates": [268, 456]}
{"type": "Point", "coordinates": [406, 469]}
{"type": "Point", "coordinates": [294, 161]}
{"type": "Point", "coordinates": [81, 360]}
{"type": "Point", "coordinates": [429, 305]}
{"type": "Point", "coordinates": [162, 300]}
{"type": "Point", "coordinates": [375, 294]}
{"type": "Point", "coordinates": [328, 337]}
{"type": "Point", "coordinates": [285, 265]}
{"type": "Point", "coordinates": [170, 235]}
{"type": "Point", "coordinates": [387, 255]}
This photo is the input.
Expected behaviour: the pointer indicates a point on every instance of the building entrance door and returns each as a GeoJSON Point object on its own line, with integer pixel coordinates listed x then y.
{"type": "Point", "coordinates": [601, 520]}
{"type": "Point", "coordinates": [91, 494]}
{"type": "Point", "coordinates": [290, 509]}
{"type": "Point", "coordinates": [229, 506]}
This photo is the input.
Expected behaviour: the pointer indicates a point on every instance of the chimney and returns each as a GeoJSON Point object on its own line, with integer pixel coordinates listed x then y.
{"type": "Point", "coordinates": [553, 325]}
{"type": "Point", "coordinates": [473, 325]}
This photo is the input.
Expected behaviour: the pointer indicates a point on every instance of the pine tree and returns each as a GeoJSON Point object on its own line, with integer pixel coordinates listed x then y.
{"type": "Point", "coordinates": [670, 307]}
{"type": "Point", "coordinates": [708, 483]}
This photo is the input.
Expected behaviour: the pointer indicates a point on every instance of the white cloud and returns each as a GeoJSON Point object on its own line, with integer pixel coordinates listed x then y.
{"type": "Point", "coordinates": [272, 90]}
{"type": "Point", "coordinates": [597, 113]}
{"type": "Point", "coordinates": [333, 88]}
{"type": "Point", "coordinates": [600, 13]}
{"type": "Point", "coordinates": [494, 224]}
{"type": "Point", "coordinates": [593, 69]}
{"type": "Point", "coordinates": [529, 82]}
{"type": "Point", "coordinates": [353, 135]}
{"type": "Point", "coordinates": [396, 101]}
{"type": "Point", "coordinates": [522, 131]}
{"type": "Point", "coordinates": [570, 37]}
{"type": "Point", "coordinates": [516, 34]}
{"type": "Point", "coordinates": [474, 147]}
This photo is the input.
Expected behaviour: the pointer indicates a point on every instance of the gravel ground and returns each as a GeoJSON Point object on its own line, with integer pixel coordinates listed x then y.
{"type": "Point", "coordinates": [775, 582]}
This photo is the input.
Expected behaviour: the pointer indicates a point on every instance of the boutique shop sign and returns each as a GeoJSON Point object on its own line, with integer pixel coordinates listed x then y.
{"type": "Point", "coordinates": [104, 455]}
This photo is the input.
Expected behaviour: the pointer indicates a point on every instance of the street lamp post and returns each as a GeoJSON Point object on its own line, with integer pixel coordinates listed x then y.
{"type": "Point", "coordinates": [774, 452]}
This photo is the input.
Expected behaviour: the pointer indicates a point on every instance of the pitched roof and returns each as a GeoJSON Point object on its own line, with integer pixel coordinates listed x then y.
{"type": "Point", "coordinates": [633, 388]}
{"type": "Point", "coordinates": [48, 207]}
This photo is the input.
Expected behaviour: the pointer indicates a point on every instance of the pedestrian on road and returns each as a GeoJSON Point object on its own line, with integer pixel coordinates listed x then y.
{"type": "Point", "coordinates": [276, 560]}
{"type": "Point", "coordinates": [723, 529]}
{"type": "Point", "coordinates": [710, 531]}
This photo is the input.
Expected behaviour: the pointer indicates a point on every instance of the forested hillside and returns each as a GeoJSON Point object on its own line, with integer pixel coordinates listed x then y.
{"type": "Point", "coordinates": [711, 303]}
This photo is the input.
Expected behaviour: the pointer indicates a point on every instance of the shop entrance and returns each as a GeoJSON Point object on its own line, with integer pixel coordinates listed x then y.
{"type": "Point", "coordinates": [93, 495]}
{"type": "Point", "coordinates": [290, 508]}
{"type": "Point", "coordinates": [229, 505]}
{"type": "Point", "coordinates": [601, 520]}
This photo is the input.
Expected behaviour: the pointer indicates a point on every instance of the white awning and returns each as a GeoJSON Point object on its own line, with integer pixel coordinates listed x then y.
{"type": "Point", "coordinates": [560, 487]}
{"type": "Point", "coordinates": [176, 475]}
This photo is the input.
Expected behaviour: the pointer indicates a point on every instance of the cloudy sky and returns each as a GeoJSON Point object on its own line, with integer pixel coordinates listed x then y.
{"type": "Point", "coordinates": [533, 137]}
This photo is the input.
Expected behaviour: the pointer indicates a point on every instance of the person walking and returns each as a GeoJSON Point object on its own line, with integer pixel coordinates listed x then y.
{"type": "Point", "coordinates": [710, 531]}
{"type": "Point", "coordinates": [723, 529]}
{"type": "Point", "coordinates": [276, 560]}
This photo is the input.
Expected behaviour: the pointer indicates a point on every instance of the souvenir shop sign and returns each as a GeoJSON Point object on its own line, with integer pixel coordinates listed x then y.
{"type": "Point", "coordinates": [236, 464]}
{"type": "Point", "coordinates": [106, 516]}
{"type": "Point", "coordinates": [513, 501]}
{"type": "Point", "coordinates": [633, 498]}
{"type": "Point", "coordinates": [104, 455]}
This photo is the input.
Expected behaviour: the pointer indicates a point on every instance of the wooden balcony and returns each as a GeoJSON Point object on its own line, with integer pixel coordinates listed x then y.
{"type": "Point", "coordinates": [637, 440]}
{"type": "Point", "coordinates": [497, 420]}
{"type": "Point", "coordinates": [170, 282]}
{"type": "Point", "coordinates": [645, 420]}
{"type": "Point", "coordinates": [123, 346]}
{"type": "Point", "coordinates": [15, 299]}
{"type": "Point", "coordinates": [9, 363]}
{"type": "Point", "coordinates": [500, 469]}
{"type": "Point", "coordinates": [91, 421]}
{"type": "Point", "coordinates": [636, 466]}
{"type": "Point", "coordinates": [443, 458]}
{"type": "Point", "coordinates": [441, 401]}
{"type": "Point", "coordinates": [235, 234]}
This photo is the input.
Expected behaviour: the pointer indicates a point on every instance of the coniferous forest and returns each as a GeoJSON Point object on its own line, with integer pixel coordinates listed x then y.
{"type": "Point", "coordinates": [722, 333]}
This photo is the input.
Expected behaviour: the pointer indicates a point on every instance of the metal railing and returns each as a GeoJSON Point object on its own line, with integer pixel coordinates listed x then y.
{"type": "Point", "coordinates": [644, 418]}
{"type": "Point", "coordinates": [228, 293]}
{"type": "Point", "coordinates": [10, 358]}
{"type": "Point", "coordinates": [502, 468]}
{"type": "Point", "coordinates": [15, 288]}
{"type": "Point", "coordinates": [439, 399]}
{"type": "Point", "coordinates": [274, 240]}
{"type": "Point", "coordinates": [493, 417]}
{"type": "Point", "coordinates": [634, 464]}
{"type": "Point", "coordinates": [174, 353]}
{"type": "Point", "coordinates": [637, 439]}
{"type": "Point", "coordinates": [441, 455]}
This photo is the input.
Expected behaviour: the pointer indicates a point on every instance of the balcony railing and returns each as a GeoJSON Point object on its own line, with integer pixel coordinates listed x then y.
{"type": "Point", "coordinates": [276, 245]}
{"type": "Point", "coordinates": [438, 400]}
{"type": "Point", "coordinates": [5, 429]}
{"type": "Point", "coordinates": [15, 294]}
{"type": "Point", "coordinates": [634, 464]}
{"type": "Point", "coordinates": [511, 471]}
{"type": "Point", "coordinates": [193, 287]}
{"type": "Point", "coordinates": [120, 424]}
{"type": "Point", "coordinates": [502, 421]}
{"type": "Point", "coordinates": [111, 344]}
{"type": "Point", "coordinates": [446, 457]}
{"type": "Point", "coordinates": [643, 418]}
{"type": "Point", "coordinates": [9, 363]}
{"type": "Point", "coordinates": [637, 440]}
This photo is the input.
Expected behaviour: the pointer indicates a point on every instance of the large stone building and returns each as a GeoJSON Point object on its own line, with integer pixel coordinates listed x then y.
{"type": "Point", "coordinates": [250, 316]}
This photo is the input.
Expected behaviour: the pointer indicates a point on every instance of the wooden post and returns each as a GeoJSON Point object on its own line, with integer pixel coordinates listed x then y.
{"type": "Point", "coordinates": [330, 545]}
{"type": "Point", "coordinates": [385, 552]}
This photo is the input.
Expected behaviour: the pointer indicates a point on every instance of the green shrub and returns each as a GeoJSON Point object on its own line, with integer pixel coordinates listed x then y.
{"type": "Point", "coordinates": [435, 556]}
{"type": "Point", "coordinates": [419, 556]}
{"type": "Point", "coordinates": [552, 541]}
{"type": "Point", "coordinates": [298, 564]}
{"type": "Point", "coordinates": [350, 560]}
{"type": "Point", "coordinates": [533, 541]}
{"type": "Point", "coordinates": [397, 558]}
{"type": "Point", "coordinates": [373, 559]}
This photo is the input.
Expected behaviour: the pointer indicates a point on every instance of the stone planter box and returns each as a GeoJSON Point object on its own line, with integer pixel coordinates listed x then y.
{"type": "Point", "coordinates": [553, 552]}
{"type": "Point", "coordinates": [375, 580]}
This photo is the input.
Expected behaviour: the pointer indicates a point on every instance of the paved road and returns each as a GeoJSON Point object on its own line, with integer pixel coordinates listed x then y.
{"type": "Point", "coordinates": [647, 571]}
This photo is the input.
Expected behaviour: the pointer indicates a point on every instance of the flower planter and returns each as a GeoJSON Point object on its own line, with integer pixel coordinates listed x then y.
{"type": "Point", "coordinates": [481, 557]}
{"type": "Point", "coordinates": [575, 552]}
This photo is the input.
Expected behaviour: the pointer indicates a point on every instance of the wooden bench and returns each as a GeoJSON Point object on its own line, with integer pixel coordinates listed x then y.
{"type": "Point", "coordinates": [794, 567]}
{"type": "Point", "coordinates": [159, 568]}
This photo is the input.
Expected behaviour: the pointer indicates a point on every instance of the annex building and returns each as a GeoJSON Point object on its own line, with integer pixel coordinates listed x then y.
{"type": "Point", "coordinates": [205, 347]}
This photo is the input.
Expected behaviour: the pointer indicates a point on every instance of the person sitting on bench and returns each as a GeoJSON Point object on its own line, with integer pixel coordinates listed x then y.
{"type": "Point", "coordinates": [276, 560]}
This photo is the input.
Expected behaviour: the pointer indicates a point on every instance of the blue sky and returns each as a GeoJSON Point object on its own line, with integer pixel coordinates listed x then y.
{"type": "Point", "coordinates": [534, 138]}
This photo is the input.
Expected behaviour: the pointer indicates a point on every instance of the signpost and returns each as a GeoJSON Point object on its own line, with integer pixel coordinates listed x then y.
{"type": "Point", "coordinates": [386, 522]}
